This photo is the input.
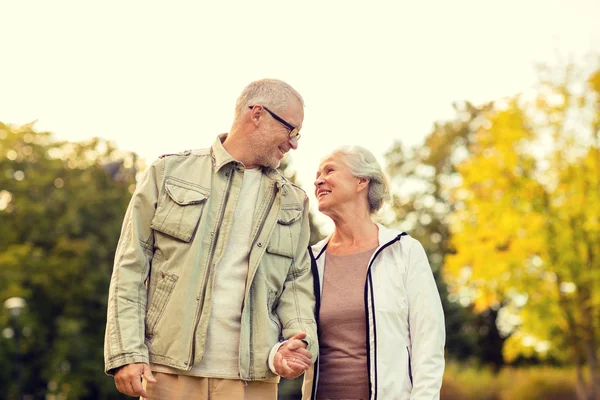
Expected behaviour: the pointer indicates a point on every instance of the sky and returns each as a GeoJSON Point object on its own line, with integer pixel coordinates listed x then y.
{"type": "Point", "coordinates": [162, 77]}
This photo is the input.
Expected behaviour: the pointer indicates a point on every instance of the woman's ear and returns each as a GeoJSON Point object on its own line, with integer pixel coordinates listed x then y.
{"type": "Point", "coordinates": [363, 183]}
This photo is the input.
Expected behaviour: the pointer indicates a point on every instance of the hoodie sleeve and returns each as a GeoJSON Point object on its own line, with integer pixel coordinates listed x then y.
{"type": "Point", "coordinates": [427, 328]}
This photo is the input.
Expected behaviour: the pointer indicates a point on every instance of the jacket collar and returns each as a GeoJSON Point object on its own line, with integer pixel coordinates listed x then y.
{"type": "Point", "coordinates": [385, 235]}
{"type": "Point", "coordinates": [221, 158]}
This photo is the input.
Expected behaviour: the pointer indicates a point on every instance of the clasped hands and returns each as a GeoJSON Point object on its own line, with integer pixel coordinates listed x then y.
{"type": "Point", "coordinates": [292, 358]}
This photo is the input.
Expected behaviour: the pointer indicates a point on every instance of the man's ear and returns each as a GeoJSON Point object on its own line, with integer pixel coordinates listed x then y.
{"type": "Point", "coordinates": [255, 114]}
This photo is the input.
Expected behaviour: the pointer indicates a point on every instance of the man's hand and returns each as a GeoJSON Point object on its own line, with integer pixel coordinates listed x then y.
{"type": "Point", "coordinates": [292, 358]}
{"type": "Point", "coordinates": [128, 379]}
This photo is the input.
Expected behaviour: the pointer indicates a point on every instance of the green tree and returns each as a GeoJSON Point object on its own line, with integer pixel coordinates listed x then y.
{"type": "Point", "coordinates": [61, 206]}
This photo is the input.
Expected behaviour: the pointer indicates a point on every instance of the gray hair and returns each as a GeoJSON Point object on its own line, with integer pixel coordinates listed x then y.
{"type": "Point", "coordinates": [272, 93]}
{"type": "Point", "coordinates": [363, 164]}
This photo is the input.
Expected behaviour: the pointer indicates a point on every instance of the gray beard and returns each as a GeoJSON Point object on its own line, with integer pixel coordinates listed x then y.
{"type": "Point", "coordinates": [266, 160]}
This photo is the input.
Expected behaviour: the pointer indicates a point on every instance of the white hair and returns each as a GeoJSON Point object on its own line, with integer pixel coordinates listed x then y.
{"type": "Point", "coordinates": [363, 164]}
{"type": "Point", "coordinates": [271, 93]}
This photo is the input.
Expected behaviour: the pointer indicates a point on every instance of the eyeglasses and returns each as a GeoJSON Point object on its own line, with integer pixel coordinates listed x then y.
{"type": "Point", "coordinates": [294, 132]}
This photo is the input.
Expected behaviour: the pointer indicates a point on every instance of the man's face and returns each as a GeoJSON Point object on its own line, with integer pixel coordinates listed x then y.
{"type": "Point", "coordinates": [272, 140]}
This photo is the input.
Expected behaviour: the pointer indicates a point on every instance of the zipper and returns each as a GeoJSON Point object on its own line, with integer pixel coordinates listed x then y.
{"type": "Point", "coordinates": [369, 285]}
{"type": "Point", "coordinates": [317, 290]}
{"type": "Point", "coordinates": [249, 281]}
{"type": "Point", "coordinates": [262, 224]}
{"type": "Point", "coordinates": [208, 268]}
{"type": "Point", "coordinates": [409, 367]}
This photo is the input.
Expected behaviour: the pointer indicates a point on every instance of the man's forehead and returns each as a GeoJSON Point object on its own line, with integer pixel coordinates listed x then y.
{"type": "Point", "coordinates": [295, 112]}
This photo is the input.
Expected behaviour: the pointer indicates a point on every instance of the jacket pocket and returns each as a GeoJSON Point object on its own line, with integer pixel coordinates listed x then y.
{"type": "Point", "coordinates": [180, 209]}
{"type": "Point", "coordinates": [285, 237]}
{"type": "Point", "coordinates": [158, 303]}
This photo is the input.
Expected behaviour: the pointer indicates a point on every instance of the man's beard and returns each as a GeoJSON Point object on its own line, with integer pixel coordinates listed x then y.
{"type": "Point", "coordinates": [270, 161]}
{"type": "Point", "coordinates": [260, 146]}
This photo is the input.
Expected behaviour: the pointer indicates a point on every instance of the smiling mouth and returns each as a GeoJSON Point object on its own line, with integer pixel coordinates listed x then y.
{"type": "Point", "coordinates": [322, 193]}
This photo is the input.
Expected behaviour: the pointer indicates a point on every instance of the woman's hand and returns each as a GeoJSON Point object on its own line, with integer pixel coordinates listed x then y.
{"type": "Point", "coordinates": [292, 358]}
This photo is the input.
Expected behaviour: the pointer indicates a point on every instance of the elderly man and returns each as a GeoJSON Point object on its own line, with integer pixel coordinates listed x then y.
{"type": "Point", "coordinates": [211, 293]}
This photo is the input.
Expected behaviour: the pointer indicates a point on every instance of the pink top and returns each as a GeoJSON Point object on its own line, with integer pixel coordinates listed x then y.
{"type": "Point", "coordinates": [343, 371]}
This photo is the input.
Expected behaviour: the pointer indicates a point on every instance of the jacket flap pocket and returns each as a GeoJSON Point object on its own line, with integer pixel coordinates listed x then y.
{"type": "Point", "coordinates": [184, 195]}
{"type": "Point", "coordinates": [285, 250]}
{"type": "Point", "coordinates": [287, 217]}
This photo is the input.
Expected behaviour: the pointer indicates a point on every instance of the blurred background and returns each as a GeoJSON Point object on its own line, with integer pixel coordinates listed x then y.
{"type": "Point", "coordinates": [485, 115]}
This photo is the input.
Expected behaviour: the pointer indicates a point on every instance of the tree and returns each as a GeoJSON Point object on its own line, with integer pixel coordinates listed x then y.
{"type": "Point", "coordinates": [60, 218]}
{"type": "Point", "coordinates": [421, 178]}
{"type": "Point", "coordinates": [526, 221]}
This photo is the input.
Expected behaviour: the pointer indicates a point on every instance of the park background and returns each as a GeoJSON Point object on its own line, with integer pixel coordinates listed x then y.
{"type": "Point", "coordinates": [485, 115]}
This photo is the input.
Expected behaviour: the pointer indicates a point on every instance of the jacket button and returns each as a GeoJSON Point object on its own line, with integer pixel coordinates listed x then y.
{"type": "Point", "coordinates": [259, 244]}
{"type": "Point", "coordinates": [185, 363]}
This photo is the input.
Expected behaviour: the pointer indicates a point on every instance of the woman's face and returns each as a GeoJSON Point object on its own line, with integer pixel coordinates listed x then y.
{"type": "Point", "coordinates": [335, 185]}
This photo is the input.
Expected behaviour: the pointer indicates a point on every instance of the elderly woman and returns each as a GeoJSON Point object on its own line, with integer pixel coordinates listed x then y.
{"type": "Point", "coordinates": [381, 324]}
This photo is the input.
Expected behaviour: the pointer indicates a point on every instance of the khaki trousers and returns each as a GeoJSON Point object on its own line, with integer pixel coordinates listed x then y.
{"type": "Point", "coordinates": [180, 387]}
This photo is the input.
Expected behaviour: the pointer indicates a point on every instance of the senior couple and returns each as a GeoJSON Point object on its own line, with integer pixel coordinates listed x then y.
{"type": "Point", "coordinates": [215, 292]}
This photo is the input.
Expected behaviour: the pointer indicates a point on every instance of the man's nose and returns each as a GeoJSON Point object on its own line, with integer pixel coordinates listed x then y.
{"type": "Point", "coordinates": [294, 143]}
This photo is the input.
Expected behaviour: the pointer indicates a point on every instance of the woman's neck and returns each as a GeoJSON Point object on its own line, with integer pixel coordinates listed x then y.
{"type": "Point", "coordinates": [353, 235]}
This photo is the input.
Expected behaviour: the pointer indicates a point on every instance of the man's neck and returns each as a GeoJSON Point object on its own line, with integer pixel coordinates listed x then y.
{"type": "Point", "coordinates": [236, 145]}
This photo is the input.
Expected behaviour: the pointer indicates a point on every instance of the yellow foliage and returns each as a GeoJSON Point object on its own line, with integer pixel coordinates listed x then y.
{"type": "Point", "coordinates": [519, 228]}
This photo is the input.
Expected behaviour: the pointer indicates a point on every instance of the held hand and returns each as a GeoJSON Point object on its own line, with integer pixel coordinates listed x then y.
{"type": "Point", "coordinates": [292, 358]}
{"type": "Point", "coordinates": [128, 379]}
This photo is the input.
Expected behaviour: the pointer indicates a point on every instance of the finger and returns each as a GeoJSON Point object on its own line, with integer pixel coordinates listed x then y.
{"type": "Point", "coordinates": [299, 336]}
{"type": "Point", "coordinates": [301, 352]}
{"type": "Point", "coordinates": [131, 391]}
{"type": "Point", "coordinates": [278, 359]}
{"type": "Point", "coordinates": [138, 389]}
{"type": "Point", "coordinates": [293, 374]}
{"type": "Point", "coordinates": [148, 375]}
{"type": "Point", "coordinates": [305, 353]}
{"type": "Point", "coordinates": [280, 365]}
{"type": "Point", "coordinates": [301, 359]}
{"type": "Point", "coordinates": [119, 386]}
{"type": "Point", "coordinates": [298, 366]}
{"type": "Point", "coordinates": [286, 366]}
{"type": "Point", "coordinates": [123, 385]}
{"type": "Point", "coordinates": [296, 344]}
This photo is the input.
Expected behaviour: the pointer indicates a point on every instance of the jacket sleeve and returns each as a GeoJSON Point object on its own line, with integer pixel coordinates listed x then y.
{"type": "Point", "coordinates": [427, 328]}
{"type": "Point", "coordinates": [296, 308]}
{"type": "Point", "coordinates": [125, 327]}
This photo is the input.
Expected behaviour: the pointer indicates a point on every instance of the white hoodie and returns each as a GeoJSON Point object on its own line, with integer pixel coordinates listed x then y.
{"type": "Point", "coordinates": [405, 321]}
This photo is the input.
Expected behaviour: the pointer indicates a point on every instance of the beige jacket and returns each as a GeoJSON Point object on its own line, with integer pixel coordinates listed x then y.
{"type": "Point", "coordinates": [173, 235]}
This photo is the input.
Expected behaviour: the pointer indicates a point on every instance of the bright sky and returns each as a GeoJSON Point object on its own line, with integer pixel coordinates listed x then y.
{"type": "Point", "coordinates": [161, 77]}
